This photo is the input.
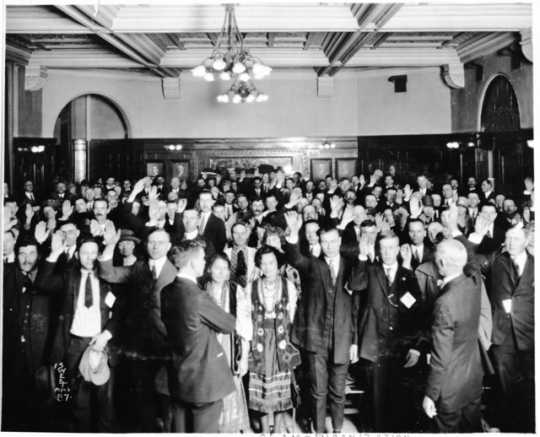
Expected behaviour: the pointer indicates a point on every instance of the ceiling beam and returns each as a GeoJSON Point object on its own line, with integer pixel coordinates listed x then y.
{"type": "Point", "coordinates": [370, 17]}
{"type": "Point", "coordinates": [129, 45]}
{"type": "Point", "coordinates": [274, 57]}
{"type": "Point", "coordinates": [172, 18]}
{"type": "Point", "coordinates": [485, 45]}
{"type": "Point", "coordinates": [460, 17]}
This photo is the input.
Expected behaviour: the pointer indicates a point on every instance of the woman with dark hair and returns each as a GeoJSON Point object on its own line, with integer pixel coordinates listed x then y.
{"type": "Point", "coordinates": [272, 358]}
{"type": "Point", "coordinates": [231, 298]}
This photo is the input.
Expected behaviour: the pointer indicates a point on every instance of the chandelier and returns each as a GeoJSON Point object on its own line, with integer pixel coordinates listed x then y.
{"type": "Point", "coordinates": [231, 60]}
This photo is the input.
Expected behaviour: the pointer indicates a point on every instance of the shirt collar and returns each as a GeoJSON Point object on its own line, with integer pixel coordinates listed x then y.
{"type": "Point", "coordinates": [447, 279]}
{"type": "Point", "coordinates": [187, 276]}
{"type": "Point", "coordinates": [191, 235]}
{"type": "Point", "coordinates": [159, 263]}
{"type": "Point", "coordinates": [520, 260]}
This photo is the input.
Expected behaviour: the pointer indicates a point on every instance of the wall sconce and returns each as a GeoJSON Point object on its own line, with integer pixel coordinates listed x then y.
{"type": "Point", "coordinates": [33, 149]}
{"type": "Point", "coordinates": [327, 145]}
{"type": "Point", "coordinates": [173, 147]}
{"type": "Point", "coordinates": [452, 145]}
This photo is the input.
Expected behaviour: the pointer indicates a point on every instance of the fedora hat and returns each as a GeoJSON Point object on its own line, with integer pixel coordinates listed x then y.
{"type": "Point", "coordinates": [129, 235]}
{"type": "Point", "coordinates": [94, 366]}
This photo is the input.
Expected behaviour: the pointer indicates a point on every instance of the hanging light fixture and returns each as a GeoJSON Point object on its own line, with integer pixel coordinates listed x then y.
{"type": "Point", "coordinates": [242, 92]}
{"type": "Point", "coordinates": [230, 59]}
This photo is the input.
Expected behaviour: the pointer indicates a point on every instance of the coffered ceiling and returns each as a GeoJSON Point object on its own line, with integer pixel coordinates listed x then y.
{"type": "Point", "coordinates": [165, 39]}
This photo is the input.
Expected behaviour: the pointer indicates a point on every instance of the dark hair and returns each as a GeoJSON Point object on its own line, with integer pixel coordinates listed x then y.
{"type": "Point", "coordinates": [86, 239]}
{"type": "Point", "coordinates": [207, 277]}
{"type": "Point", "coordinates": [386, 236]}
{"type": "Point", "coordinates": [181, 253]}
{"type": "Point", "coordinates": [266, 249]}
{"type": "Point", "coordinates": [368, 223]}
{"type": "Point", "coordinates": [24, 241]}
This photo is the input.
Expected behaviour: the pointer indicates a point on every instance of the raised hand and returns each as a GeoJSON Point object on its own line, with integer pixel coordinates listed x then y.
{"type": "Point", "coordinates": [41, 233]}
{"type": "Point", "coordinates": [111, 236]}
{"type": "Point", "coordinates": [140, 184]}
{"type": "Point", "coordinates": [28, 212]}
{"type": "Point", "coordinates": [336, 204]}
{"type": "Point", "coordinates": [95, 228]}
{"type": "Point", "coordinates": [481, 225]}
{"type": "Point", "coordinates": [57, 243]}
{"type": "Point", "coordinates": [363, 246]}
{"type": "Point", "coordinates": [67, 209]}
{"type": "Point", "coordinates": [294, 222]}
{"type": "Point", "coordinates": [362, 180]}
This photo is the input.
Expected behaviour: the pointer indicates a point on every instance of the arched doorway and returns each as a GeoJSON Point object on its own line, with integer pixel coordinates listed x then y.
{"type": "Point", "coordinates": [512, 159]}
{"type": "Point", "coordinates": [83, 119]}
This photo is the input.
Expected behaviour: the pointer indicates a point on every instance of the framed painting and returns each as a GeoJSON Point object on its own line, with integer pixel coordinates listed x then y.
{"type": "Point", "coordinates": [180, 169]}
{"type": "Point", "coordinates": [320, 168]}
{"type": "Point", "coordinates": [345, 167]}
{"type": "Point", "coordinates": [154, 168]}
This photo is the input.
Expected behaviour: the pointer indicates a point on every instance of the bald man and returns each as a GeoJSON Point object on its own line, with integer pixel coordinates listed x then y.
{"type": "Point", "coordinates": [454, 388]}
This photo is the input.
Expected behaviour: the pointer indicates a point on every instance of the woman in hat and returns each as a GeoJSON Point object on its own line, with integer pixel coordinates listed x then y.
{"type": "Point", "coordinates": [127, 246]}
{"type": "Point", "coordinates": [272, 358]}
{"type": "Point", "coordinates": [231, 298]}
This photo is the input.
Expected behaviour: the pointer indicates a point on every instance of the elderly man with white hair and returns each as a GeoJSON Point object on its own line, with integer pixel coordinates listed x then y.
{"type": "Point", "coordinates": [512, 298]}
{"type": "Point", "coordinates": [454, 387]}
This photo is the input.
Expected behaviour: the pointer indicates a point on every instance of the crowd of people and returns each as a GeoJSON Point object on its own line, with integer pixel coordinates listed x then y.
{"type": "Point", "coordinates": [245, 303]}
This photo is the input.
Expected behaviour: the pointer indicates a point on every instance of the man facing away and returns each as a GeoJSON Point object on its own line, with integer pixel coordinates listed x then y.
{"type": "Point", "coordinates": [199, 376]}
{"type": "Point", "coordinates": [454, 387]}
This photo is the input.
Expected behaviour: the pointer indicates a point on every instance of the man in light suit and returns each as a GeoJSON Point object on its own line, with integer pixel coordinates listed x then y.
{"type": "Point", "coordinates": [512, 298]}
{"type": "Point", "coordinates": [199, 375]}
{"type": "Point", "coordinates": [454, 387]}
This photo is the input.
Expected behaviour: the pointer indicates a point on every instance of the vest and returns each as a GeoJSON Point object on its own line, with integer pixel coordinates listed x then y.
{"type": "Point", "coordinates": [287, 355]}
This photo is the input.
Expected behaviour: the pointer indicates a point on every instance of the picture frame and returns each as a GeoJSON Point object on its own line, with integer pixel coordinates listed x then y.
{"type": "Point", "coordinates": [155, 168]}
{"type": "Point", "coordinates": [320, 168]}
{"type": "Point", "coordinates": [181, 169]}
{"type": "Point", "coordinates": [345, 167]}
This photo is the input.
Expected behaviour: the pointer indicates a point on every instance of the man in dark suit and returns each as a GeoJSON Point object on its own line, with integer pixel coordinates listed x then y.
{"type": "Point", "coordinates": [454, 386]}
{"type": "Point", "coordinates": [25, 340]}
{"type": "Point", "coordinates": [389, 333]}
{"type": "Point", "coordinates": [325, 325]}
{"type": "Point", "coordinates": [487, 195]}
{"type": "Point", "coordinates": [420, 250]}
{"type": "Point", "coordinates": [200, 376]}
{"type": "Point", "coordinates": [28, 195]}
{"type": "Point", "coordinates": [487, 235]}
{"type": "Point", "coordinates": [512, 298]}
{"type": "Point", "coordinates": [173, 219]}
{"type": "Point", "coordinates": [142, 334]}
{"type": "Point", "coordinates": [87, 321]}
{"type": "Point", "coordinates": [211, 227]}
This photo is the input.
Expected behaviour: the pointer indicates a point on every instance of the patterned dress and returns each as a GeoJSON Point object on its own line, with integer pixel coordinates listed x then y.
{"type": "Point", "coordinates": [272, 357]}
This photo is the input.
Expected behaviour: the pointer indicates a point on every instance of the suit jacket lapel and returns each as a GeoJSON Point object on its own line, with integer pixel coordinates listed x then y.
{"type": "Point", "coordinates": [383, 281]}
{"type": "Point", "coordinates": [166, 276]}
{"type": "Point", "coordinates": [528, 271]}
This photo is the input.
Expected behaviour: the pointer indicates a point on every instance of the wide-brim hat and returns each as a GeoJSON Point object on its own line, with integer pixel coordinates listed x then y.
{"type": "Point", "coordinates": [94, 366]}
{"type": "Point", "coordinates": [129, 235]}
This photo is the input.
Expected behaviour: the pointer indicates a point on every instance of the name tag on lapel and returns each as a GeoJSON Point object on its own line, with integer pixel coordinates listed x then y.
{"type": "Point", "coordinates": [110, 299]}
{"type": "Point", "coordinates": [408, 300]}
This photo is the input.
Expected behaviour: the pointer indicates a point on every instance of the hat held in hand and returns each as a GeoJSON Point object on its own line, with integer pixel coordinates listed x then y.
{"type": "Point", "coordinates": [94, 367]}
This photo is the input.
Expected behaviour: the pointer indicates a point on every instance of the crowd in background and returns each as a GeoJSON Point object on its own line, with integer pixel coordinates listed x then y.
{"type": "Point", "coordinates": [257, 302]}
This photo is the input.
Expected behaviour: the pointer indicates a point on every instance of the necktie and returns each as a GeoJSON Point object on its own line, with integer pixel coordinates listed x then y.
{"type": "Point", "coordinates": [387, 273]}
{"type": "Point", "coordinates": [516, 268]}
{"type": "Point", "coordinates": [333, 273]}
{"type": "Point", "coordinates": [241, 268]}
{"type": "Point", "coordinates": [88, 298]}
{"type": "Point", "coordinates": [416, 255]}
{"type": "Point", "coordinates": [153, 270]}
{"type": "Point", "coordinates": [202, 225]}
